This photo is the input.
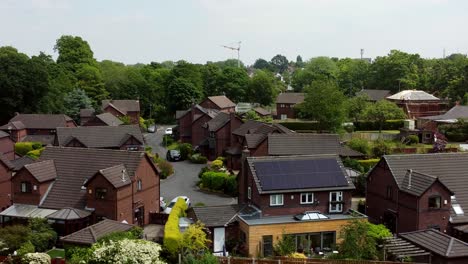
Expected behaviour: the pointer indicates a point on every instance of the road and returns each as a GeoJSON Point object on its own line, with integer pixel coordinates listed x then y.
{"type": "Point", "coordinates": [185, 177]}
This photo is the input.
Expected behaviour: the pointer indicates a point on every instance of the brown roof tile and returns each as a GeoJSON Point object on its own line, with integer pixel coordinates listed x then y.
{"type": "Point", "coordinates": [222, 101]}
{"type": "Point", "coordinates": [218, 121]}
{"type": "Point", "coordinates": [93, 233]}
{"type": "Point", "coordinates": [116, 175]}
{"type": "Point", "coordinates": [109, 119]}
{"type": "Point", "coordinates": [43, 171]}
{"type": "Point", "coordinates": [215, 216]}
{"type": "Point", "coordinates": [7, 162]}
{"type": "Point", "coordinates": [303, 144]}
{"type": "Point", "coordinates": [99, 136]}
{"type": "Point", "coordinates": [86, 112]}
{"type": "Point", "coordinates": [75, 165]}
{"type": "Point", "coordinates": [290, 98]}
{"type": "Point", "coordinates": [38, 121]}
{"type": "Point", "coordinates": [375, 95]}
{"type": "Point", "coordinates": [69, 214]}
{"type": "Point", "coordinates": [123, 106]}
{"type": "Point", "coordinates": [20, 162]}
{"type": "Point", "coordinates": [437, 243]}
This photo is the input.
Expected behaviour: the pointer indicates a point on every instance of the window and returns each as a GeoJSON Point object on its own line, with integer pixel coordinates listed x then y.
{"type": "Point", "coordinates": [434, 202]}
{"type": "Point", "coordinates": [101, 193]}
{"type": "Point", "coordinates": [389, 192]}
{"type": "Point", "coordinates": [139, 185]}
{"type": "Point", "coordinates": [132, 148]}
{"type": "Point", "coordinates": [284, 117]}
{"type": "Point", "coordinates": [267, 246]}
{"type": "Point", "coordinates": [25, 187]}
{"type": "Point", "coordinates": [249, 193]}
{"type": "Point", "coordinates": [282, 105]}
{"type": "Point", "coordinates": [276, 199]}
{"type": "Point", "coordinates": [336, 202]}
{"type": "Point", "coordinates": [307, 198]}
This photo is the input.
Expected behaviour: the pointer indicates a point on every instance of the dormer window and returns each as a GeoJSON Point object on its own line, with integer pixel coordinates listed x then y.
{"type": "Point", "coordinates": [435, 202]}
{"type": "Point", "coordinates": [25, 187]}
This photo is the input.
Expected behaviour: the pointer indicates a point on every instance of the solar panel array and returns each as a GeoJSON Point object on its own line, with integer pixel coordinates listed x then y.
{"type": "Point", "coordinates": [299, 174]}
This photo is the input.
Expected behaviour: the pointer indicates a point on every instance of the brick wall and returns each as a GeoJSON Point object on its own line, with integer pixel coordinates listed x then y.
{"type": "Point", "coordinates": [285, 109]}
{"type": "Point", "coordinates": [37, 189]}
{"type": "Point", "coordinates": [5, 187]}
{"type": "Point", "coordinates": [7, 147]}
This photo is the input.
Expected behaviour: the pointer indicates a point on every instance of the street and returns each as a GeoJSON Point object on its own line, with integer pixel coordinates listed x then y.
{"type": "Point", "coordinates": [185, 177]}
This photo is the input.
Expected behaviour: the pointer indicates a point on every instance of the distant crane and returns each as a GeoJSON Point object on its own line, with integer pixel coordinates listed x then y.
{"type": "Point", "coordinates": [235, 48]}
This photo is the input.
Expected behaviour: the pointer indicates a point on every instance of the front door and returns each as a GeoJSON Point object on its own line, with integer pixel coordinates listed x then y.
{"type": "Point", "coordinates": [218, 239]}
{"type": "Point", "coordinates": [140, 216]}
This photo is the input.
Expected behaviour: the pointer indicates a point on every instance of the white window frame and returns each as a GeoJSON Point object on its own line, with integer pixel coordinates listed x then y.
{"type": "Point", "coordinates": [311, 201]}
{"type": "Point", "coordinates": [284, 116]}
{"type": "Point", "coordinates": [275, 199]}
{"type": "Point", "coordinates": [249, 193]}
{"type": "Point", "coordinates": [336, 206]}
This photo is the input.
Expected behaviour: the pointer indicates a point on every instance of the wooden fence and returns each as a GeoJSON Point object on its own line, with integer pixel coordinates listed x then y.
{"type": "Point", "coordinates": [236, 260]}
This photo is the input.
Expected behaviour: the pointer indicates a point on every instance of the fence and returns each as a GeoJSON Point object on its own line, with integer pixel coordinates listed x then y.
{"type": "Point", "coordinates": [158, 218]}
{"type": "Point", "coordinates": [236, 260]}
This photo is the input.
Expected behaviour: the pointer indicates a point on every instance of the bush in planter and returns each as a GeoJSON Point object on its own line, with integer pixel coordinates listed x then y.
{"type": "Point", "coordinates": [203, 170]}
{"type": "Point", "coordinates": [185, 150]}
{"type": "Point", "coordinates": [217, 165]}
{"type": "Point", "coordinates": [198, 159]}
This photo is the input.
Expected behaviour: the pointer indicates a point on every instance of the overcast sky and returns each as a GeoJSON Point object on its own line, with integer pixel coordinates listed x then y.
{"type": "Point", "coordinates": [193, 30]}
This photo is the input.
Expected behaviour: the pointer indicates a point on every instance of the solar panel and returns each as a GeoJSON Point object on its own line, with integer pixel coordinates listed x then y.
{"type": "Point", "coordinates": [299, 174]}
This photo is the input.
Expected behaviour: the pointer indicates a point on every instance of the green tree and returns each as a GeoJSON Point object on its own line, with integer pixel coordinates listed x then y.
{"type": "Point", "coordinates": [261, 64]}
{"type": "Point", "coordinates": [285, 246]}
{"type": "Point", "coordinates": [279, 63]}
{"type": "Point", "coordinates": [211, 76]}
{"type": "Point", "coordinates": [353, 75]}
{"type": "Point", "coordinates": [319, 68]}
{"type": "Point", "coordinates": [194, 239]}
{"type": "Point", "coordinates": [14, 236]}
{"type": "Point", "coordinates": [299, 61]}
{"type": "Point", "coordinates": [74, 101]}
{"type": "Point", "coordinates": [356, 106]}
{"type": "Point", "coordinates": [381, 111]}
{"type": "Point", "coordinates": [234, 82]}
{"type": "Point", "coordinates": [324, 103]}
{"type": "Point", "coordinates": [261, 88]}
{"type": "Point", "coordinates": [357, 243]}
{"type": "Point", "coordinates": [90, 80]}
{"type": "Point", "coordinates": [42, 235]}
{"type": "Point", "coordinates": [73, 51]}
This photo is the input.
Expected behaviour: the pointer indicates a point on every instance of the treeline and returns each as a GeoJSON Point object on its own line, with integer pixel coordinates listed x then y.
{"type": "Point", "coordinates": [40, 84]}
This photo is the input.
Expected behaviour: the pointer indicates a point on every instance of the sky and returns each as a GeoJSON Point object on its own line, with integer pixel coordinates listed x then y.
{"type": "Point", "coordinates": [142, 31]}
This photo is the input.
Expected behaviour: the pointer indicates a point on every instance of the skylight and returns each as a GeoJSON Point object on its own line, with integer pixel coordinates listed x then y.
{"type": "Point", "coordinates": [310, 216]}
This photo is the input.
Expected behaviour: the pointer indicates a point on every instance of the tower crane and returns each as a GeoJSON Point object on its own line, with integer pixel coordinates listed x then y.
{"type": "Point", "coordinates": [235, 48]}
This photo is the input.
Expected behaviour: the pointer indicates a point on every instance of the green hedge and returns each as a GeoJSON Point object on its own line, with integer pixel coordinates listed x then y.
{"type": "Point", "coordinates": [198, 159]}
{"type": "Point", "coordinates": [185, 150]}
{"type": "Point", "coordinates": [372, 125]}
{"type": "Point", "coordinates": [35, 154]}
{"type": "Point", "coordinates": [172, 235]}
{"type": "Point", "coordinates": [301, 125]}
{"type": "Point", "coordinates": [368, 164]}
{"type": "Point", "coordinates": [219, 181]}
{"type": "Point", "coordinates": [22, 148]}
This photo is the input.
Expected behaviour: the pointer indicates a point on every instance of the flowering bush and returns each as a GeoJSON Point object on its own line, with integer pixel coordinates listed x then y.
{"type": "Point", "coordinates": [36, 258]}
{"type": "Point", "coordinates": [126, 251]}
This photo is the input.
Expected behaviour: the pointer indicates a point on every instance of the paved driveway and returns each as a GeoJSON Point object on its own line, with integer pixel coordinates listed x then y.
{"type": "Point", "coordinates": [183, 181]}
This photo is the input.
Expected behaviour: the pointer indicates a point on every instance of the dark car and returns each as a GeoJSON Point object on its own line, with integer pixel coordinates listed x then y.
{"type": "Point", "coordinates": [173, 155]}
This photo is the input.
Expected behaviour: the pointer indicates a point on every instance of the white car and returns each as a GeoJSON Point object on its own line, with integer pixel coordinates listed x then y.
{"type": "Point", "coordinates": [173, 202]}
{"type": "Point", "coordinates": [162, 203]}
{"type": "Point", "coordinates": [168, 131]}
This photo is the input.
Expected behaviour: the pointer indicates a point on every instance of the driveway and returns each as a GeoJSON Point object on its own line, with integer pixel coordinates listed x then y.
{"type": "Point", "coordinates": [185, 177]}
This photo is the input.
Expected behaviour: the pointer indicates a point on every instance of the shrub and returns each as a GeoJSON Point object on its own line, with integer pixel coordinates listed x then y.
{"type": "Point", "coordinates": [297, 255]}
{"type": "Point", "coordinates": [230, 186]}
{"type": "Point", "coordinates": [165, 167]}
{"type": "Point", "coordinates": [27, 247]}
{"type": "Point", "coordinates": [203, 170]}
{"type": "Point", "coordinates": [134, 233]}
{"type": "Point", "coordinates": [185, 150]}
{"type": "Point", "coordinates": [368, 164]}
{"type": "Point", "coordinates": [36, 145]}
{"type": "Point", "coordinates": [35, 154]}
{"type": "Point", "coordinates": [381, 147]}
{"type": "Point", "coordinates": [143, 124]}
{"type": "Point", "coordinates": [14, 236]}
{"type": "Point", "coordinates": [36, 258]}
{"type": "Point", "coordinates": [206, 258]}
{"type": "Point", "coordinates": [42, 235]}
{"type": "Point", "coordinates": [374, 125]}
{"type": "Point", "coordinates": [198, 159]}
{"type": "Point", "coordinates": [353, 164]}
{"type": "Point", "coordinates": [412, 139]}
{"type": "Point", "coordinates": [167, 140]}
{"type": "Point", "coordinates": [221, 158]}
{"type": "Point", "coordinates": [125, 120]}
{"type": "Point", "coordinates": [22, 148]}
{"type": "Point", "coordinates": [217, 164]}
{"type": "Point", "coordinates": [172, 235]}
{"type": "Point", "coordinates": [360, 145]}
{"type": "Point", "coordinates": [285, 246]}
{"type": "Point", "coordinates": [126, 251]}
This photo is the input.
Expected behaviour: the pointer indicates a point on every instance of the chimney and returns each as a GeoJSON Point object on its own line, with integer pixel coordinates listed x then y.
{"type": "Point", "coordinates": [242, 177]}
{"type": "Point", "coordinates": [410, 172]}
{"type": "Point", "coordinates": [123, 175]}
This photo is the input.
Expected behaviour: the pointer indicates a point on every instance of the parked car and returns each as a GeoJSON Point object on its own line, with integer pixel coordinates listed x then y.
{"type": "Point", "coordinates": [168, 131]}
{"type": "Point", "coordinates": [173, 155]}
{"type": "Point", "coordinates": [152, 129]}
{"type": "Point", "coordinates": [173, 202]}
{"type": "Point", "coordinates": [162, 204]}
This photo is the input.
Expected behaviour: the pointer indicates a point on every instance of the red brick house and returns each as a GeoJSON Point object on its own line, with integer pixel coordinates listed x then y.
{"type": "Point", "coordinates": [36, 127]}
{"type": "Point", "coordinates": [420, 191]}
{"type": "Point", "coordinates": [285, 103]}
{"type": "Point", "coordinates": [120, 108]}
{"type": "Point", "coordinates": [7, 169]}
{"type": "Point", "coordinates": [127, 137]}
{"type": "Point", "coordinates": [418, 104]}
{"type": "Point", "coordinates": [7, 146]}
{"type": "Point", "coordinates": [305, 196]}
{"type": "Point", "coordinates": [220, 102]}
{"type": "Point", "coordinates": [191, 122]}
{"type": "Point", "coordinates": [450, 117]}
{"type": "Point", "coordinates": [74, 187]}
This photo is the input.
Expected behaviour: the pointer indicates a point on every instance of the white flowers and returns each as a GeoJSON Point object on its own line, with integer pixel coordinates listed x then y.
{"type": "Point", "coordinates": [126, 251]}
{"type": "Point", "coordinates": [36, 258]}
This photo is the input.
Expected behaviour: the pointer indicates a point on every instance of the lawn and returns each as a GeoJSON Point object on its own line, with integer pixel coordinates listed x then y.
{"type": "Point", "coordinates": [56, 253]}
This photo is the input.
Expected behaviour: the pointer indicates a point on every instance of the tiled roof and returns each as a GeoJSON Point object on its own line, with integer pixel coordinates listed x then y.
{"type": "Point", "coordinates": [375, 95]}
{"type": "Point", "coordinates": [437, 243]}
{"type": "Point", "coordinates": [413, 95]}
{"type": "Point", "coordinates": [457, 112]}
{"type": "Point", "coordinates": [109, 119]}
{"type": "Point", "coordinates": [303, 144]}
{"type": "Point", "coordinates": [116, 175]}
{"type": "Point", "coordinates": [290, 98]}
{"type": "Point", "coordinates": [7, 163]}
{"type": "Point", "coordinates": [253, 140]}
{"type": "Point", "coordinates": [222, 101]}
{"type": "Point", "coordinates": [349, 152]}
{"type": "Point", "coordinates": [93, 233]}
{"type": "Point", "coordinates": [38, 121]}
{"type": "Point", "coordinates": [20, 162]}
{"type": "Point", "coordinates": [99, 136]}
{"type": "Point", "coordinates": [257, 127]}
{"type": "Point", "coordinates": [123, 106]}
{"type": "Point", "coordinates": [299, 173]}
{"type": "Point", "coordinates": [262, 111]}
{"type": "Point", "coordinates": [43, 171]}
{"type": "Point", "coordinates": [215, 216]}
{"type": "Point", "coordinates": [416, 183]}
{"type": "Point", "coordinates": [75, 165]}
{"type": "Point", "coordinates": [69, 214]}
{"type": "Point", "coordinates": [181, 113]}
{"type": "Point", "coordinates": [450, 168]}
{"type": "Point", "coordinates": [248, 125]}
{"type": "Point", "coordinates": [218, 121]}
{"type": "Point", "coordinates": [86, 112]}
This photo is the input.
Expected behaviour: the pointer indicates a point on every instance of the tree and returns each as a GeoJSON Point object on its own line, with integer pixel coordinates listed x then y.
{"type": "Point", "coordinates": [194, 239]}
{"type": "Point", "coordinates": [74, 101]}
{"type": "Point", "coordinates": [261, 64]}
{"type": "Point", "coordinates": [324, 103]}
{"type": "Point", "coordinates": [353, 75]}
{"type": "Point", "coordinates": [319, 68]}
{"type": "Point", "coordinates": [381, 111]}
{"type": "Point", "coordinates": [125, 251]}
{"type": "Point", "coordinates": [73, 51]}
{"type": "Point", "coordinates": [279, 63]}
{"type": "Point", "coordinates": [234, 82]}
{"type": "Point", "coordinates": [360, 240]}
{"type": "Point", "coordinates": [42, 235]}
{"type": "Point", "coordinates": [356, 106]}
{"type": "Point", "coordinates": [285, 246]}
{"type": "Point", "coordinates": [90, 80]}
{"type": "Point", "coordinates": [299, 62]}
{"type": "Point", "coordinates": [14, 236]}
{"type": "Point", "coordinates": [261, 88]}
{"type": "Point", "coordinates": [211, 76]}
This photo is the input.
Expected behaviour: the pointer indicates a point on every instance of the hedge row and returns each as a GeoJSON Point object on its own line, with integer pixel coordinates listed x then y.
{"type": "Point", "coordinates": [372, 125]}
{"type": "Point", "coordinates": [368, 164]}
{"type": "Point", "coordinates": [22, 148]}
{"type": "Point", "coordinates": [219, 181]}
{"type": "Point", "coordinates": [172, 235]}
{"type": "Point", "coordinates": [301, 125]}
